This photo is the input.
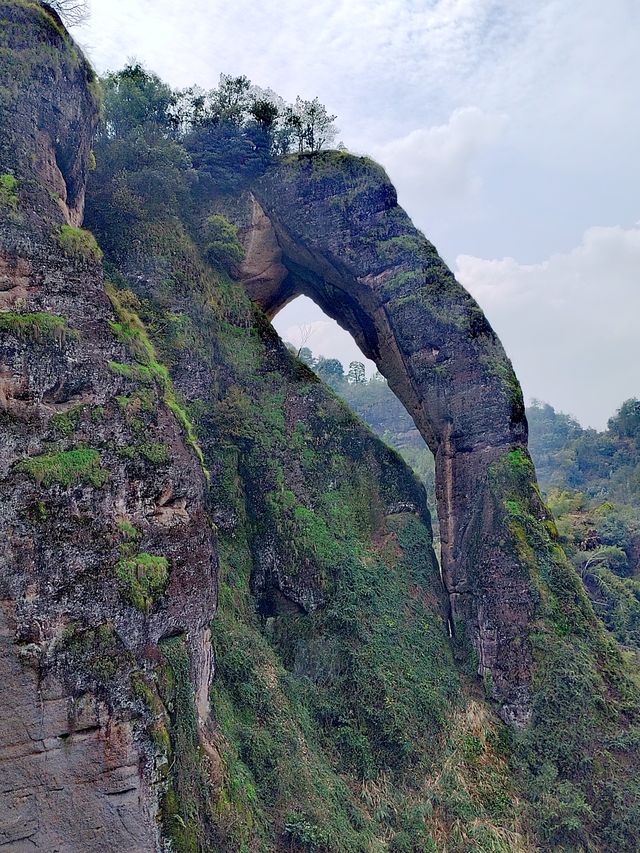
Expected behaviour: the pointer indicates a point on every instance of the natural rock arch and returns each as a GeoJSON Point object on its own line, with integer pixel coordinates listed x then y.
{"type": "Point", "coordinates": [329, 227]}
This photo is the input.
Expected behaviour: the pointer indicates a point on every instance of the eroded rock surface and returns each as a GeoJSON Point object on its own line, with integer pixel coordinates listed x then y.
{"type": "Point", "coordinates": [71, 774]}
{"type": "Point", "coordinates": [335, 225]}
{"type": "Point", "coordinates": [101, 492]}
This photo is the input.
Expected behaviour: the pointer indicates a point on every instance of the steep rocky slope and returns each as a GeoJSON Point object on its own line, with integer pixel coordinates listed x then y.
{"type": "Point", "coordinates": [223, 623]}
{"type": "Point", "coordinates": [106, 548]}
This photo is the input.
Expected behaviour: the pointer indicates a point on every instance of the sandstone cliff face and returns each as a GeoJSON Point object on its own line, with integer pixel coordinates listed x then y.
{"type": "Point", "coordinates": [46, 141]}
{"type": "Point", "coordinates": [326, 563]}
{"type": "Point", "coordinates": [109, 566]}
{"type": "Point", "coordinates": [98, 488]}
{"type": "Point", "coordinates": [70, 768]}
{"type": "Point", "coordinates": [222, 622]}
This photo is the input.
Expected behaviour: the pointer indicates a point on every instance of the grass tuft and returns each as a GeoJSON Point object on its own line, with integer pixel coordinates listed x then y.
{"type": "Point", "coordinates": [143, 579]}
{"type": "Point", "coordinates": [36, 326]}
{"type": "Point", "coordinates": [67, 468]}
{"type": "Point", "coordinates": [78, 243]}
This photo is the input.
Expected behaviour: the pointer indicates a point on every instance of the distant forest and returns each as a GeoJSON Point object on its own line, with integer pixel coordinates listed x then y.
{"type": "Point", "coordinates": [590, 481]}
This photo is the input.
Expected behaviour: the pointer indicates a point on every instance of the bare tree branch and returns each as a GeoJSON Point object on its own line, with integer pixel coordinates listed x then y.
{"type": "Point", "coordinates": [72, 12]}
{"type": "Point", "coordinates": [305, 331]}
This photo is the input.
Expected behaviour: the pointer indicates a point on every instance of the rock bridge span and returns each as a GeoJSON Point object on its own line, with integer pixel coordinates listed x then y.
{"type": "Point", "coordinates": [329, 227]}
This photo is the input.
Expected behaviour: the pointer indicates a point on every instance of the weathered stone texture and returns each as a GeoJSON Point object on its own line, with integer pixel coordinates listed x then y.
{"type": "Point", "coordinates": [335, 225]}
{"type": "Point", "coordinates": [71, 778]}
{"type": "Point", "coordinates": [77, 768]}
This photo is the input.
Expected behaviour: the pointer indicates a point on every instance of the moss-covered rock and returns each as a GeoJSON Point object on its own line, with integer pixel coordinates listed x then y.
{"type": "Point", "coordinates": [67, 468]}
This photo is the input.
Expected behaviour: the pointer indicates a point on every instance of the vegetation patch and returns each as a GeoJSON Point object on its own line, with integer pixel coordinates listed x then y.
{"type": "Point", "coordinates": [499, 365]}
{"type": "Point", "coordinates": [133, 372]}
{"type": "Point", "coordinates": [617, 602]}
{"type": "Point", "coordinates": [91, 654]}
{"type": "Point", "coordinates": [39, 512]}
{"type": "Point", "coordinates": [143, 399]}
{"type": "Point", "coordinates": [187, 808]}
{"type": "Point", "coordinates": [155, 452]}
{"type": "Point", "coordinates": [38, 326]}
{"type": "Point", "coordinates": [145, 690]}
{"type": "Point", "coordinates": [130, 330]}
{"type": "Point", "coordinates": [66, 423]}
{"type": "Point", "coordinates": [9, 192]}
{"type": "Point", "coordinates": [78, 243]}
{"type": "Point", "coordinates": [406, 248]}
{"type": "Point", "coordinates": [67, 468]}
{"type": "Point", "coordinates": [128, 531]}
{"type": "Point", "coordinates": [143, 579]}
{"type": "Point", "coordinates": [223, 247]}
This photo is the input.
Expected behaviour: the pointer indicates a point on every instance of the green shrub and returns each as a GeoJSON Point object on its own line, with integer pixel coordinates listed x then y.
{"type": "Point", "coordinates": [66, 423]}
{"type": "Point", "coordinates": [143, 579]}
{"type": "Point", "coordinates": [561, 812]}
{"type": "Point", "coordinates": [67, 468]}
{"type": "Point", "coordinates": [128, 531]}
{"type": "Point", "coordinates": [8, 192]}
{"type": "Point", "coordinates": [223, 248]}
{"type": "Point", "coordinates": [258, 751]}
{"type": "Point", "coordinates": [79, 244]}
{"type": "Point", "coordinates": [301, 831]}
{"type": "Point", "coordinates": [155, 452]}
{"type": "Point", "coordinates": [617, 602]}
{"type": "Point", "coordinates": [401, 843]}
{"type": "Point", "coordinates": [37, 325]}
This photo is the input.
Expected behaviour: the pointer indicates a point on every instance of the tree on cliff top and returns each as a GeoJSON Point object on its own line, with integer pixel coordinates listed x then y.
{"type": "Point", "coordinates": [310, 124]}
{"type": "Point", "coordinates": [136, 99]}
{"type": "Point", "coordinates": [626, 421]}
{"type": "Point", "coordinates": [72, 12]}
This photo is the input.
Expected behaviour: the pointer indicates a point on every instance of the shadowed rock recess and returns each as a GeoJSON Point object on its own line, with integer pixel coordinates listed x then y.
{"type": "Point", "coordinates": [222, 623]}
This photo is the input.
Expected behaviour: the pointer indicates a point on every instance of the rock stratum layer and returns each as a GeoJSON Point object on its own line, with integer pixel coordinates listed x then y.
{"type": "Point", "coordinates": [223, 624]}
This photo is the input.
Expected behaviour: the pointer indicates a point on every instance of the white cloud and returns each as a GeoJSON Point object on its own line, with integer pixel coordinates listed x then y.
{"type": "Point", "coordinates": [570, 323]}
{"type": "Point", "coordinates": [437, 166]}
{"type": "Point", "coordinates": [349, 47]}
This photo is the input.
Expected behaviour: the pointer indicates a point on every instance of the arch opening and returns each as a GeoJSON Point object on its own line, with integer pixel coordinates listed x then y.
{"type": "Point", "coordinates": [333, 354]}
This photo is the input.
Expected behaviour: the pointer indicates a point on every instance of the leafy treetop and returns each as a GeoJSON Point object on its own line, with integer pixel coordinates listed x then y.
{"type": "Point", "coordinates": [136, 98]}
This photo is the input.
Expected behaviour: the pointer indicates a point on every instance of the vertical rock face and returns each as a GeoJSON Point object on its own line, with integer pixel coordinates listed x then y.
{"type": "Point", "coordinates": [108, 562]}
{"type": "Point", "coordinates": [337, 235]}
{"type": "Point", "coordinates": [70, 770]}
{"type": "Point", "coordinates": [46, 140]}
{"type": "Point", "coordinates": [104, 543]}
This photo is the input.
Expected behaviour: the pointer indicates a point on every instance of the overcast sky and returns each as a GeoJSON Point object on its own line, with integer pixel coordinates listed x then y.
{"type": "Point", "coordinates": [510, 128]}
